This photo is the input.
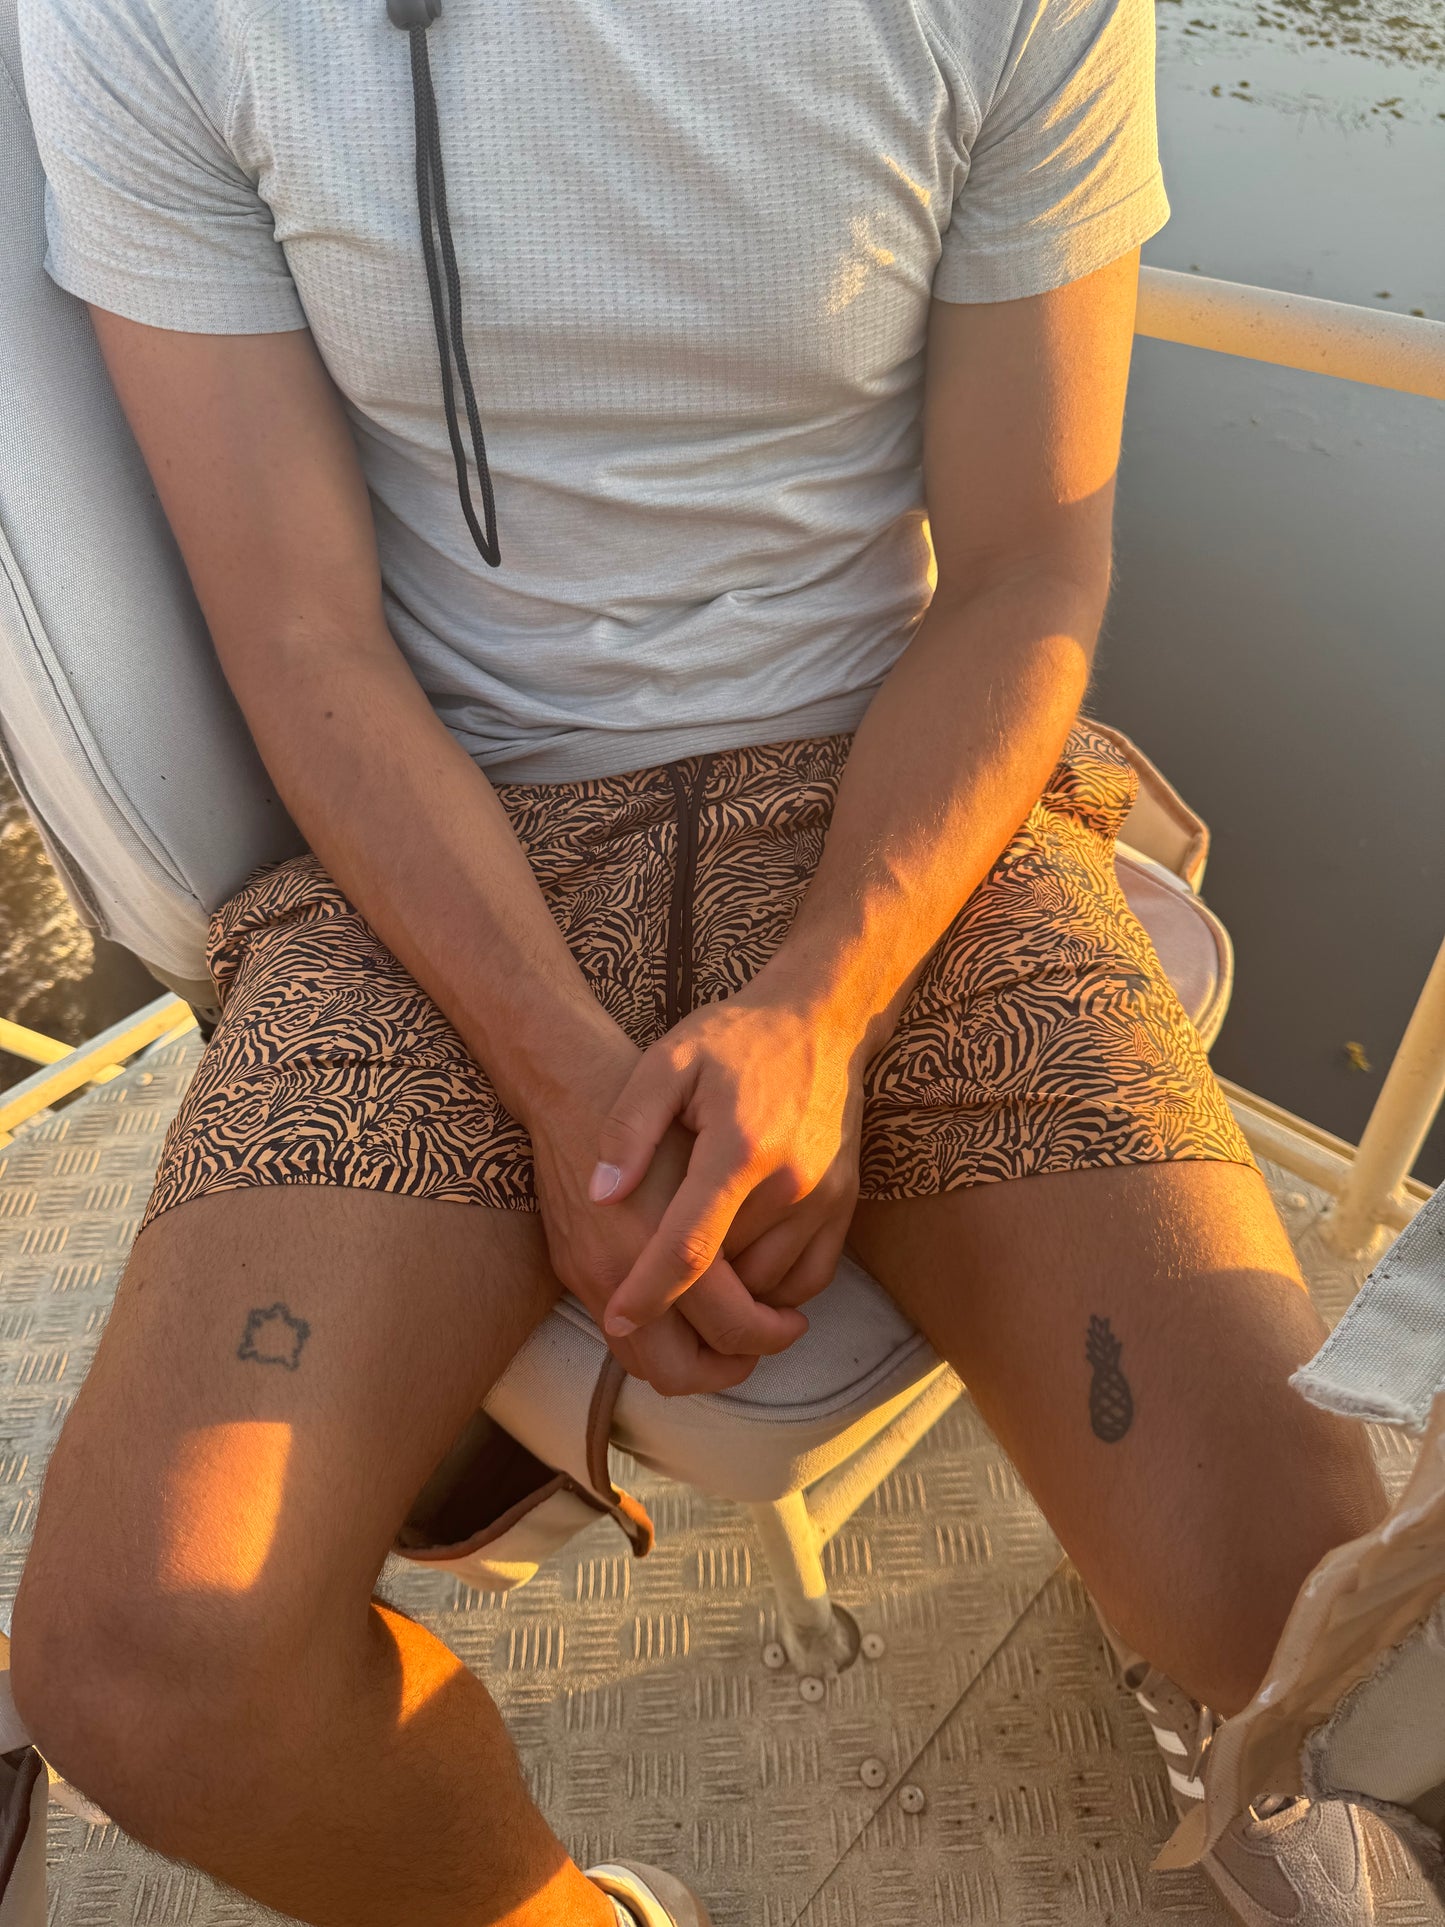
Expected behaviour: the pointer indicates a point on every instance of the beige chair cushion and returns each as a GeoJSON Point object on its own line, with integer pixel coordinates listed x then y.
{"type": "Point", "coordinates": [800, 1413]}
{"type": "Point", "coordinates": [1161, 825]}
{"type": "Point", "coordinates": [797, 1416]}
{"type": "Point", "coordinates": [1193, 945]}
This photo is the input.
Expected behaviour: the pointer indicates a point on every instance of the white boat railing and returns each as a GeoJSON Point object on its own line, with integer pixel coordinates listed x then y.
{"type": "Point", "coordinates": [1370, 1184]}
{"type": "Point", "coordinates": [1402, 351]}
{"type": "Point", "coordinates": [1407, 1106]}
{"type": "Point", "coordinates": [1405, 352]}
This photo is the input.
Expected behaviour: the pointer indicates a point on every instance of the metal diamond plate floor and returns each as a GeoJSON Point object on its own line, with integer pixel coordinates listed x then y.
{"type": "Point", "coordinates": [1018, 1785]}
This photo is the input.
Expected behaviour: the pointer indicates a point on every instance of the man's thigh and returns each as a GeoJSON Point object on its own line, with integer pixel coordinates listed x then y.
{"type": "Point", "coordinates": [283, 1367]}
{"type": "Point", "coordinates": [1178, 1273]}
{"type": "Point", "coordinates": [1142, 1320]}
{"type": "Point", "coordinates": [991, 1269]}
{"type": "Point", "coordinates": [1128, 1334]}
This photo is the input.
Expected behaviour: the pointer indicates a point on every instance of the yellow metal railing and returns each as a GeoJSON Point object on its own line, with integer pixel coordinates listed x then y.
{"type": "Point", "coordinates": [1317, 1156]}
{"type": "Point", "coordinates": [1407, 1106]}
{"type": "Point", "coordinates": [168, 1017]}
{"type": "Point", "coordinates": [35, 1046]}
{"type": "Point", "coordinates": [1370, 1185]}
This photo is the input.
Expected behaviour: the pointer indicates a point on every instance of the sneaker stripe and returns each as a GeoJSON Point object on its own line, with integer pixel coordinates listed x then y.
{"type": "Point", "coordinates": [1181, 1783]}
{"type": "Point", "coordinates": [1170, 1742]}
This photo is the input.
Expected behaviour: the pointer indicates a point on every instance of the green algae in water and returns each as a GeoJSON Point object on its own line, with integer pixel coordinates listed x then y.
{"type": "Point", "coordinates": [1413, 36]}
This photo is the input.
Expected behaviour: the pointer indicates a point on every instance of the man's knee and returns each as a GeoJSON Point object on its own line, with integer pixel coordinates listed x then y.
{"type": "Point", "coordinates": [150, 1703]}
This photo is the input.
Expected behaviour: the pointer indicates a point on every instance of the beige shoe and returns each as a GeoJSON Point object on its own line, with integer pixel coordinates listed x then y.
{"type": "Point", "coordinates": [654, 1898]}
{"type": "Point", "coordinates": [1283, 1860]}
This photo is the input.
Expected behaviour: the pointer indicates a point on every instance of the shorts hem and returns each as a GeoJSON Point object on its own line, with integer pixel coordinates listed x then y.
{"type": "Point", "coordinates": [249, 1183]}
{"type": "Point", "coordinates": [970, 1180]}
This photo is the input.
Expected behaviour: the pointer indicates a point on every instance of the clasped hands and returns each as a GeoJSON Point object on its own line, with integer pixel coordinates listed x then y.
{"type": "Point", "coordinates": [695, 1211]}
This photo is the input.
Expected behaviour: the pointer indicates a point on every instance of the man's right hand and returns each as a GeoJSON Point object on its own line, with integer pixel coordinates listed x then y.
{"type": "Point", "coordinates": [713, 1337]}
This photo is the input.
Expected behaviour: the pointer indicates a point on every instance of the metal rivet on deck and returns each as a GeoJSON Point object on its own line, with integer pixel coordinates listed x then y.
{"type": "Point", "coordinates": [874, 1646]}
{"type": "Point", "coordinates": [811, 1688]}
{"type": "Point", "coordinates": [773, 1656]}
{"type": "Point", "coordinates": [872, 1773]}
{"type": "Point", "coordinates": [912, 1799]}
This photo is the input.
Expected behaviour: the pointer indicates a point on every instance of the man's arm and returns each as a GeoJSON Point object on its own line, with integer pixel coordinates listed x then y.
{"type": "Point", "coordinates": [1022, 420]}
{"type": "Point", "coordinates": [257, 471]}
{"type": "Point", "coordinates": [1023, 415]}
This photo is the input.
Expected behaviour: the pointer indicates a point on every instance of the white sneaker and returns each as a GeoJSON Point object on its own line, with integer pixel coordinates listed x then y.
{"type": "Point", "coordinates": [653, 1898]}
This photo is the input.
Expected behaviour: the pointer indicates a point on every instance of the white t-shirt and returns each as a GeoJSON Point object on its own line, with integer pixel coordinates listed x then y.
{"type": "Point", "coordinates": [697, 238]}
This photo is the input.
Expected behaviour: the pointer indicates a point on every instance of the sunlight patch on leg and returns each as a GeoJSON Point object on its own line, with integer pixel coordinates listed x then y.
{"type": "Point", "coordinates": [222, 1505]}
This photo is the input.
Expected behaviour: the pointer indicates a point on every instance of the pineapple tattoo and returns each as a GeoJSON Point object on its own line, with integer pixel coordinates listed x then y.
{"type": "Point", "coordinates": [1111, 1403]}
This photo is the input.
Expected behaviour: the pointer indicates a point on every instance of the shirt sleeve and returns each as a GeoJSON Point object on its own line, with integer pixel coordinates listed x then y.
{"type": "Point", "coordinates": [147, 212]}
{"type": "Point", "coordinates": [1063, 176]}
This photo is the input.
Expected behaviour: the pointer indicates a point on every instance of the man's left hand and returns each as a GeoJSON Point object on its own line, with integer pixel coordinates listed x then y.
{"type": "Point", "coordinates": [773, 1094]}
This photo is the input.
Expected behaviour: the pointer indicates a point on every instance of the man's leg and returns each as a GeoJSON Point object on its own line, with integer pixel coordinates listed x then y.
{"type": "Point", "coordinates": [195, 1641]}
{"type": "Point", "coordinates": [1196, 1501]}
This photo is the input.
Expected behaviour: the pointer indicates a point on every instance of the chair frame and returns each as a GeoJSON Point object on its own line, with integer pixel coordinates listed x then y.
{"type": "Point", "coordinates": [817, 1636]}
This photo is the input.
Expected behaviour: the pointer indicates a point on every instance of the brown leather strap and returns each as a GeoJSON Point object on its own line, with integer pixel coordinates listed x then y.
{"type": "Point", "coordinates": [489, 1481]}
{"type": "Point", "coordinates": [624, 1508]}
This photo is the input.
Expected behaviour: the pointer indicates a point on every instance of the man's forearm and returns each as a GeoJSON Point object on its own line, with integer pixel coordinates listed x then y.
{"type": "Point", "coordinates": [954, 749]}
{"type": "Point", "coordinates": [413, 833]}
{"type": "Point", "coordinates": [255, 462]}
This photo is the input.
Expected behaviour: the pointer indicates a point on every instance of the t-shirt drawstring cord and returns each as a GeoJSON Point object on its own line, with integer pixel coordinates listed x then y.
{"type": "Point", "coordinates": [414, 17]}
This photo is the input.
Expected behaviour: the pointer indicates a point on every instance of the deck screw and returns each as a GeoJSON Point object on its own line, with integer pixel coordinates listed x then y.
{"type": "Point", "coordinates": [912, 1799]}
{"type": "Point", "coordinates": [811, 1688]}
{"type": "Point", "coordinates": [874, 1646]}
{"type": "Point", "coordinates": [873, 1773]}
{"type": "Point", "coordinates": [774, 1657]}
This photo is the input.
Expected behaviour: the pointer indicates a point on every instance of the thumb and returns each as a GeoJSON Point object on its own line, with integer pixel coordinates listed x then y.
{"type": "Point", "coordinates": [637, 1123]}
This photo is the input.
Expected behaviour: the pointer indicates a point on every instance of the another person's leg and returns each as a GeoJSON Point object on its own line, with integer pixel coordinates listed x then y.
{"type": "Point", "coordinates": [1128, 1335]}
{"type": "Point", "coordinates": [195, 1640]}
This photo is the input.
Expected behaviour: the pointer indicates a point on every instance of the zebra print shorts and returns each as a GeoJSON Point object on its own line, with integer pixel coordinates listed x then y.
{"type": "Point", "coordinates": [1042, 1036]}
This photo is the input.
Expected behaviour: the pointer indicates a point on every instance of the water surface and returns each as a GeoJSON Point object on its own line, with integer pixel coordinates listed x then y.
{"type": "Point", "coordinates": [1277, 637]}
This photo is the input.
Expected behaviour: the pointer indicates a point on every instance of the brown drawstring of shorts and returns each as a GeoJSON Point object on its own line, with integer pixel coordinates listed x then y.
{"type": "Point", "coordinates": [678, 964]}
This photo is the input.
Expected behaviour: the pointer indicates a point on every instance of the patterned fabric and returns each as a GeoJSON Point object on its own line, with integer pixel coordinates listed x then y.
{"type": "Point", "coordinates": [1042, 1035]}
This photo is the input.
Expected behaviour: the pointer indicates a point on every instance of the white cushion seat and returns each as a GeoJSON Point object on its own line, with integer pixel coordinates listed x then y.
{"type": "Point", "coordinates": [1193, 945]}
{"type": "Point", "coordinates": [797, 1415]}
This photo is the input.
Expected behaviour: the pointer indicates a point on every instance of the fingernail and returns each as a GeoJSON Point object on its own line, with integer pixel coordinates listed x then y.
{"type": "Point", "coordinates": [605, 1180]}
{"type": "Point", "coordinates": [618, 1326]}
